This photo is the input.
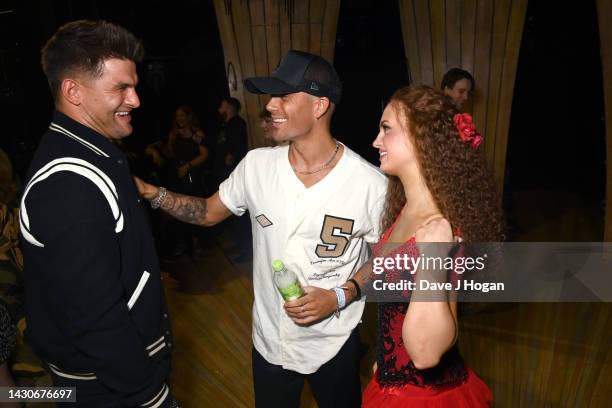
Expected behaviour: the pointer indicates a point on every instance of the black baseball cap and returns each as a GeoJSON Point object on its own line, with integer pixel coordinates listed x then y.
{"type": "Point", "coordinates": [299, 71]}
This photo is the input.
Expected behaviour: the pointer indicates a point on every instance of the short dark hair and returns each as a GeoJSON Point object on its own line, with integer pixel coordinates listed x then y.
{"type": "Point", "coordinates": [456, 74]}
{"type": "Point", "coordinates": [234, 102]}
{"type": "Point", "coordinates": [84, 45]}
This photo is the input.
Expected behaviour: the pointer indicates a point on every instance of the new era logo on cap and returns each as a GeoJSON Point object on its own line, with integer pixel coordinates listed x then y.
{"type": "Point", "coordinates": [299, 71]}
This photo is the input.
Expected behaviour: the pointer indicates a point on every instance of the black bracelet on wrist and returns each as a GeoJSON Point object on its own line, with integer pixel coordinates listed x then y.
{"type": "Point", "coordinates": [357, 288]}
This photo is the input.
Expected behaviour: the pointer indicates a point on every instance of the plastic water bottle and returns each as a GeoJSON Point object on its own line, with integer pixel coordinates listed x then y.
{"type": "Point", "coordinates": [286, 281]}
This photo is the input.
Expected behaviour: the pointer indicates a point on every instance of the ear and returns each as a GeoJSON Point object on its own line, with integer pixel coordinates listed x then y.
{"type": "Point", "coordinates": [321, 107]}
{"type": "Point", "coordinates": [70, 91]}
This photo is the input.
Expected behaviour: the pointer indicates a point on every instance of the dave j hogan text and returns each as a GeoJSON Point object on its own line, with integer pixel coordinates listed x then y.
{"type": "Point", "coordinates": [423, 284]}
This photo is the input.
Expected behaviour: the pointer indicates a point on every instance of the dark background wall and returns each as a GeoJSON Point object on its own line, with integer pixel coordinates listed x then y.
{"type": "Point", "coordinates": [556, 146]}
{"type": "Point", "coordinates": [558, 118]}
{"type": "Point", "coordinates": [371, 63]}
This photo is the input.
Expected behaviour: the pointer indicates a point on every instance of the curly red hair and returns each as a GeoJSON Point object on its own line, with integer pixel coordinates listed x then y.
{"type": "Point", "coordinates": [454, 172]}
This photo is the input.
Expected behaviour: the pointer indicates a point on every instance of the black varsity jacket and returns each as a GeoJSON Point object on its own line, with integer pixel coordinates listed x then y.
{"type": "Point", "coordinates": [94, 301]}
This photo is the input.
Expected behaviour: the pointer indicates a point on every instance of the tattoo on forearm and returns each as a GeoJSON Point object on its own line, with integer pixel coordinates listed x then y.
{"type": "Point", "coordinates": [365, 274]}
{"type": "Point", "coordinates": [185, 208]}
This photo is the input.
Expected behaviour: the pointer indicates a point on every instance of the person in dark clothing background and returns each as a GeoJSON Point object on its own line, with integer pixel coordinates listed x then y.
{"type": "Point", "coordinates": [182, 162]}
{"type": "Point", "coordinates": [232, 141]}
{"type": "Point", "coordinates": [187, 152]}
{"type": "Point", "coordinates": [231, 147]}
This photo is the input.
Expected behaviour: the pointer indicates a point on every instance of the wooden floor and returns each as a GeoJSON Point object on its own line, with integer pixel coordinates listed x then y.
{"type": "Point", "coordinates": [210, 304]}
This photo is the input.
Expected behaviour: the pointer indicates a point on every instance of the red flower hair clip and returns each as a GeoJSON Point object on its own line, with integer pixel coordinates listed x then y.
{"type": "Point", "coordinates": [467, 130]}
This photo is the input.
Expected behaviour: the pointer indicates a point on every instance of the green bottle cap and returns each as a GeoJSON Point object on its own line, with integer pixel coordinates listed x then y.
{"type": "Point", "coordinates": [277, 265]}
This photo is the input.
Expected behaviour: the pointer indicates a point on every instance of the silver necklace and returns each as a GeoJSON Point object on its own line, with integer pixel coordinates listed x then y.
{"type": "Point", "coordinates": [324, 166]}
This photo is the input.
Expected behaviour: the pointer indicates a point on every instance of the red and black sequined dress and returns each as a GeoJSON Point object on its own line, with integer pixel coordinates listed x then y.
{"type": "Point", "coordinates": [397, 382]}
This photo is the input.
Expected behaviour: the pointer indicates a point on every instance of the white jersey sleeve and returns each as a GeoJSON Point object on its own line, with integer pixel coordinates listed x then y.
{"type": "Point", "coordinates": [232, 191]}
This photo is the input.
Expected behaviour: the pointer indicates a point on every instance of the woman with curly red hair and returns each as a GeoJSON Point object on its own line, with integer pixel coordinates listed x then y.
{"type": "Point", "coordinates": [439, 188]}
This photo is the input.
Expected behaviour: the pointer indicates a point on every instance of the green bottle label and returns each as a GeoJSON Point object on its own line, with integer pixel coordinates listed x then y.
{"type": "Point", "coordinates": [292, 292]}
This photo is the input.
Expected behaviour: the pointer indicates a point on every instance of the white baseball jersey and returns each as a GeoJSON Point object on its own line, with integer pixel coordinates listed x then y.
{"type": "Point", "coordinates": [320, 232]}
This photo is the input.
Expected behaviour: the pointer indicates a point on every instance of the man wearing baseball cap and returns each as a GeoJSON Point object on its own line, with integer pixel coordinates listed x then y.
{"type": "Point", "coordinates": [315, 205]}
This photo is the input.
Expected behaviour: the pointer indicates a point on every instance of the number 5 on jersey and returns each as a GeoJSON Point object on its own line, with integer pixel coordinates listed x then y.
{"type": "Point", "coordinates": [335, 236]}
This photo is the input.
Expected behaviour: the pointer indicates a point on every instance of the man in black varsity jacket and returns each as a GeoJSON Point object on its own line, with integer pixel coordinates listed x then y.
{"type": "Point", "coordinates": [95, 306]}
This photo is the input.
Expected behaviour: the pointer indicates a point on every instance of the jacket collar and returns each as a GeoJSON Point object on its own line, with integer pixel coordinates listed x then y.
{"type": "Point", "coordinates": [84, 135]}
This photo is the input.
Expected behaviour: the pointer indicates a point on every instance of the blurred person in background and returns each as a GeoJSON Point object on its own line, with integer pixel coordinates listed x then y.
{"type": "Point", "coordinates": [458, 84]}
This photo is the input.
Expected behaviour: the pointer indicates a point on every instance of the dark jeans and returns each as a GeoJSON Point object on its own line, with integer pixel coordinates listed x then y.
{"type": "Point", "coordinates": [334, 385]}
